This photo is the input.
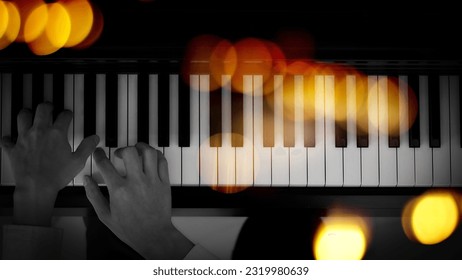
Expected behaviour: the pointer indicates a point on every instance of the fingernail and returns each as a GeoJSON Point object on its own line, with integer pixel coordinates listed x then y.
{"type": "Point", "coordinates": [96, 139]}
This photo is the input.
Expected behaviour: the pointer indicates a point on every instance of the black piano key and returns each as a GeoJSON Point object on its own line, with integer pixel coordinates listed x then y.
{"type": "Point", "coordinates": [393, 113]}
{"type": "Point", "coordinates": [184, 93]}
{"type": "Point", "coordinates": [237, 119]}
{"type": "Point", "coordinates": [434, 111]}
{"type": "Point", "coordinates": [268, 119]}
{"type": "Point", "coordinates": [340, 112]}
{"type": "Point", "coordinates": [289, 114]}
{"type": "Point", "coordinates": [143, 107]}
{"type": "Point", "coordinates": [215, 118]}
{"type": "Point", "coordinates": [16, 102]}
{"type": "Point", "coordinates": [309, 112]}
{"type": "Point", "coordinates": [37, 89]}
{"type": "Point", "coordinates": [362, 113]}
{"type": "Point", "coordinates": [111, 110]}
{"type": "Point", "coordinates": [163, 137]}
{"type": "Point", "coordinates": [58, 94]}
{"type": "Point", "coordinates": [89, 125]}
{"type": "Point", "coordinates": [414, 130]}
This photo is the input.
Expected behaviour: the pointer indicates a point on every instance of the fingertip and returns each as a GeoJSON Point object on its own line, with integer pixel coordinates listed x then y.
{"type": "Point", "coordinates": [99, 154]}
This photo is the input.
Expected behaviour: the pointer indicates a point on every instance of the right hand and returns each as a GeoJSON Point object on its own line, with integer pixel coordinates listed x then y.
{"type": "Point", "coordinates": [139, 211]}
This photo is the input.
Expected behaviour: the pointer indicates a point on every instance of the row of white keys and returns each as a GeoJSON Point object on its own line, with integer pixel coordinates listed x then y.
{"type": "Point", "coordinates": [423, 154]}
{"type": "Point", "coordinates": [173, 151]}
{"type": "Point", "coordinates": [244, 154]}
{"type": "Point", "coordinates": [226, 153]}
{"type": "Point", "coordinates": [262, 155]}
{"type": "Point", "coordinates": [280, 154]}
{"type": "Point", "coordinates": [190, 155]}
{"type": "Point", "coordinates": [316, 158]}
{"type": "Point", "coordinates": [456, 149]}
{"type": "Point", "coordinates": [297, 158]}
{"type": "Point", "coordinates": [351, 154]}
{"type": "Point", "coordinates": [208, 161]}
{"type": "Point", "coordinates": [405, 154]}
{"type": "Point", "coordinates": [370, 155]}
{"type": "Point", "coordinates": [442, 155]}
{"type": "Point", "coordinates": [387, 155]}
{"type": "Point", "coordinates": [333, 155]}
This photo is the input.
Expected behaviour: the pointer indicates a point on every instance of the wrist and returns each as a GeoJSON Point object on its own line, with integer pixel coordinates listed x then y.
{"type": "Point", "coordinates": [33, 206]}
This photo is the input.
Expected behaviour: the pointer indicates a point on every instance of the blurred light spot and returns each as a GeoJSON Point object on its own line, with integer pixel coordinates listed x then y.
{"type": "Point", "coordinates": [296, 44]}
{"type": "Point", "coordinates": [4, 18]}
{"type": "Point", "coordinates": [223, 61]}
{"type": "Point", "coordinates": [14, 23]}
{"type": "Point", "coordinates": [81, 17]}
{"type": "Point", "coordinates": [36, 22]}
{"type": "Point", "coordinates": [253, 58]}
{"type": "Point", "coordinates": [279, 67]}
{"type": "Point", "coordinates": [341, 237]}
{"type": "Point", "coordinates": [25, 8]}
{"type": "Point", "coordinates": [96, 29]}
{"type": "Point", "coordinates": [431, 218]}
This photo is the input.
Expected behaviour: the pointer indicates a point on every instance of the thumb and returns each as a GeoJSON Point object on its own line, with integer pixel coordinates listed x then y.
{"type": "Point", "coordinates": [97, 199]}
{"type": "Point", "coordinates": [86, 148]}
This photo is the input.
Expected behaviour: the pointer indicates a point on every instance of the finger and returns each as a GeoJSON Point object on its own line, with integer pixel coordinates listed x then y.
{"type": "Point", "coordinates": [96, 198]}
{"type": "Point", "coordinates": [163, 169]}
{"type": "Point", "coordinates": [86, 148]}
{"type": "Point", "coordinates": [25, 117]}
{"type": "Point", "coordinates": [44, 115]}
{"type": "Point", "coordinates": [63, 121]}
{"type": "Point", "coordinates": [149, 157]}
{"type": "Point", "coordinates": [6, 143]}
{"type": "Point", "coordinates": [131, 159]}
{"type": "Point", "coordinates": [105, 166]}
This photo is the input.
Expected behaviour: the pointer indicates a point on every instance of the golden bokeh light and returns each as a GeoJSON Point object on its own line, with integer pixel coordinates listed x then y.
{"type": "Point", "coordinates": [279, 67]}
{"type": "Point", "coordinates": [13, 24]}
{"type": "Point", "coordinates": [25, 8]}
{"type": "Point", "coordinates": [253, 58]}
{"type": "Point", "coordinates": [96, 30]}
{"type": "Point", "coordinates": [4, 18]}
{"type": "Point", "coordinates": [56, 33]}
{"type": "Point", "coordinates": [223, 62]}
{"type": "Point", "coordinates": [35, 23]}
{"type": "Point", "coordinates": [431, 218]}
{"type": "Point", "coordinates": [341, 237]}
{"type": "Point", "coordinates": [81, 16]}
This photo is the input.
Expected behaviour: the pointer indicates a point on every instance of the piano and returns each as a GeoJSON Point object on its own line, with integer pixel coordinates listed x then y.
{"type": "Point", "coordinates": [128, 87]}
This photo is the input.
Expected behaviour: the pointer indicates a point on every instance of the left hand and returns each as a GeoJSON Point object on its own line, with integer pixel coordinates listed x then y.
{"type": "Point", "coordinates": [42, 162]}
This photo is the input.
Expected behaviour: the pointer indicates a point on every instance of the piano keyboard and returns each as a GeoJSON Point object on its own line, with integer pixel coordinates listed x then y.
{"type": "Point", "coordinates": [196, 128]}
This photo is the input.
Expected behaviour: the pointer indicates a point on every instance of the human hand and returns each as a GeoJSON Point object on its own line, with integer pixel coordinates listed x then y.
{"type": "Point", "coordinates": [42, 162]}
{"type": "Point", "coordinates": [139, 211]}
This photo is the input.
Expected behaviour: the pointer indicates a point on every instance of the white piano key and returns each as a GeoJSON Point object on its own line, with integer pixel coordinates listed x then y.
{"type": "Point", "coordinates": [244, 154]}
{"type": "Point", "coordinates": [100, 123]}
{"type": "Point", "coordinates": [456, 149]}
{"type": "Point", "coordinates": [442, 155]}
{"type": "Point", "coordinates": [48, 88]}
{"type": "Point", "coordinates": [208, 155]}
{"type": "Point", "coordinates": [280, 154]}
{"type": "Point", "coordinates": [173, 152]}
{"type": "Point", "coordinates": [27, 91]}
{"type": "Point", "coordinates": [370, 155]}
{"type": "Point", "coordinates": [226, 153]}
{"type": "Point", "coordinates": [298, 176]}
{"type": "Point", "coordinates": [79, 114]}
{"type": "Point", "coordinates": [153, 109]}
{"type": "Point", "coordinates": [190, 156]}
{"type": "Point", "coordinates": [316, 159]}
{"type": "Point", "coordinates": [405, 154]}
{"type": "Point", "coordinates": [387, 155]}
{"type": "Point", "coordinates": [334, 155]}
{"type": "Point", "coordinates": [69, 105]}
{"type": "Point", "coordinates": [7, 178]}
{"type": "Point", "coordinates": [423, 155]}
{"type": "Point", "coordinates": [132, 109]}
{"type": "Point", "coordinates": [262, 155]}
{"type": "Point", "coordinates": [122, 123]}
{"type": "Point", "coordinates": [351, 154]}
